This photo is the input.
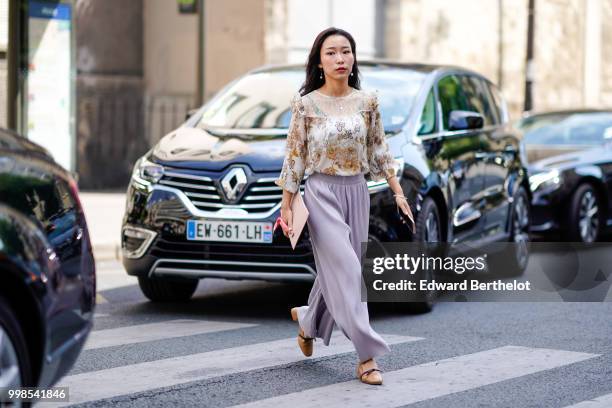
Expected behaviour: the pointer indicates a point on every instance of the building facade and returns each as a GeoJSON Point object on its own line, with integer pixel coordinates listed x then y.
{"type": "Point", "coordinates": [143, 64]}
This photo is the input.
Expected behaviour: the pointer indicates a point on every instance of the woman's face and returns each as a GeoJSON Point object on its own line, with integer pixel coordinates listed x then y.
{"type": "Point", "coordinates": [337, 57]}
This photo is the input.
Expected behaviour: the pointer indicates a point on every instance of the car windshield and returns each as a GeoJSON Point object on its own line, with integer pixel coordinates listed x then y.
{"type": "Point", "coordinates": [568, 129]}
{"type": "Point", "coordinates": [261, 100]}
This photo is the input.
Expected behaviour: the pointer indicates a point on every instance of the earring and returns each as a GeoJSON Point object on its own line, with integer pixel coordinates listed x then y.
{"type": "Point", "coordinates": [321, 75]}
{"type": "Point", "coordinates": [351, 74]}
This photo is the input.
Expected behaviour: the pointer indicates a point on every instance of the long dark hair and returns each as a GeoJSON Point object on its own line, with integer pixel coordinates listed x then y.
{"type": "Point", "coordinates": [313, 81]}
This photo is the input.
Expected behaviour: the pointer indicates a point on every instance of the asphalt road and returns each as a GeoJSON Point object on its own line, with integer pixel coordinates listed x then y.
{"type": "Point", "coordinates": [234, 343]}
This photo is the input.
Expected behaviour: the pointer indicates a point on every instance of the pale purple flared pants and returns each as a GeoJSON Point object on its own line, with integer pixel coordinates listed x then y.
{"type": "Point", "coordinates": [339, 208]}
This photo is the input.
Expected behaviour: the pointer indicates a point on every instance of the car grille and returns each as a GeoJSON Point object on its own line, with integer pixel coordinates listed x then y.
{"type": "Point", "coordinates": [260, 196]}
{"type": "Point", "coordinates": [178, 248]}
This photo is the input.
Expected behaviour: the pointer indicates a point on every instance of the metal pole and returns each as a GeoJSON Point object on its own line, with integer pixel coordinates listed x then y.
{"type": "Point", "coordinates": [14, 44]}
{"type": "Point", "coordinates": [529, 74]}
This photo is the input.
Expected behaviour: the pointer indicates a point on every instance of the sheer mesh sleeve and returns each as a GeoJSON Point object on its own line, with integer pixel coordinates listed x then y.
{"type": "Point", "coordinates": [380, 160]}
{"type": "Point", "coordinates": [296, 150]}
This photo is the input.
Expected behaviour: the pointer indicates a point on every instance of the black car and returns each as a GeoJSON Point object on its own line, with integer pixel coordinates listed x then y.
{"type": "Point", "coordinates": [570, 172]}
{"type": "Point", "coordinates": [47, 270]}
{"type": "Point", "coordinates": [457, 157]}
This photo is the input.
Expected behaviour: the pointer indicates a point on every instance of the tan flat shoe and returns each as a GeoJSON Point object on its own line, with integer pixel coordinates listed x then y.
{"type": "Point", "coordinates": [305, 343]}
{"type": "Point", "coordinates": [368, 373]}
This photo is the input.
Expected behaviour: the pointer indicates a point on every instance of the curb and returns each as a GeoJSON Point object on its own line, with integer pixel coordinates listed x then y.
{"type": "Point", "coordinates": [107, 252]}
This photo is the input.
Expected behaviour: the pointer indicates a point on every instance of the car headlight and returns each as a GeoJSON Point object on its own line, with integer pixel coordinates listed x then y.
{"type": "Point", "coordinates": [550, 179]}
{"type": "Point", "coordinates": [146, 171]}
{"type": "Point", "coordinates": [375, 186]}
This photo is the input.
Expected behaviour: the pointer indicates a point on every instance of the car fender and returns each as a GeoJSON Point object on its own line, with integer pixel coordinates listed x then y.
{"type": "Point", "coordinates": [28, 262]}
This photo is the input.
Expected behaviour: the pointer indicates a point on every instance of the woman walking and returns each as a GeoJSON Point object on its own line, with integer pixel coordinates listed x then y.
{"type": "Point", "coordinates": [336, 137]}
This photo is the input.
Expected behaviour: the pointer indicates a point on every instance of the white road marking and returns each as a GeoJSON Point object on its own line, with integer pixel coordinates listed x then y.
{"type": "Point", "coordinates": [130, 379]}
{"type": "Point", "coordinates": [603, 401]}
{"type": "Point", "coordinates": [156, 331]}
{"type": "Point", "coordinates": [430, 380]}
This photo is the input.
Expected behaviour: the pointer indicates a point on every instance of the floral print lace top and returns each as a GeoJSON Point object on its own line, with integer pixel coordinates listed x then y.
{"type": "Point", "coordinates": [335, 135]}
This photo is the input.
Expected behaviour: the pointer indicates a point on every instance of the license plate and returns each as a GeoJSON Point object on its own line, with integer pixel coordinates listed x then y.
{"type": "Point", "coordinates": [234, 231]}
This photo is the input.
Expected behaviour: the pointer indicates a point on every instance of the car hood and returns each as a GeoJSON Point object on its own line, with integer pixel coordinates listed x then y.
{"type": "Point", "coordinates": [543, 158]}
{"type": "Point", "coordinates": [262, 150]}
{"type": "Point", "coordinates": [195, 148]}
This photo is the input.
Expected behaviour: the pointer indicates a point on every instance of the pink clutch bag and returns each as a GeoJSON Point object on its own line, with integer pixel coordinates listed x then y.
{"type": "Point", "coordinates": [300, 216]}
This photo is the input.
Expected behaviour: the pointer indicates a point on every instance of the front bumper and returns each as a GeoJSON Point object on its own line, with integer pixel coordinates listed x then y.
{"type": "Point", "coordinates": [154, 240]}
{"type": "Point", "coordinates": [547, 211]}
{"type": "Point", "coordinates": [154, 244]}
{"type": "Point", "coordinates": [172, 256]}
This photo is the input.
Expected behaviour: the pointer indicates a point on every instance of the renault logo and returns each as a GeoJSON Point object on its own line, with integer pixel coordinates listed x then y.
{"type": "Point", "coordinates": [234, 182]}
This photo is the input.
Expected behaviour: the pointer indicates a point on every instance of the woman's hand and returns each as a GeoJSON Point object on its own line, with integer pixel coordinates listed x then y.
{"type": "Point", "coordinates": [287, 217]}
{"type": "Point", "coordinates": [402, 204]}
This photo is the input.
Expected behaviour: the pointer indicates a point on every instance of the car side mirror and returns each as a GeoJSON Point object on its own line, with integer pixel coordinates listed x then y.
{"type": "Point", "coordinates": [465, 120]}
{"type": "Point", "coordinates": [190, 113]}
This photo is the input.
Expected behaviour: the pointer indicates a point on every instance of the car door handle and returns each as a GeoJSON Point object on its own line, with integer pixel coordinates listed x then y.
{"type": "Point", "coordinates": [492, 191]}
{"type": "Point", "coordinates": [466, 213]}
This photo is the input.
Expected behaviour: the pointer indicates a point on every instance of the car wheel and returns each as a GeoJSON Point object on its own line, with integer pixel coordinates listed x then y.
{"type": "Point", "coordinates": [514, 260]}
{"type": "Point", "coordinates": [585, 215]}
{"type": "Point", "coordinates": [165, 290]}
{"type": "Point", "coordinates": [15, 368]}
{"type": "Point", "coordinates": [428, 229]}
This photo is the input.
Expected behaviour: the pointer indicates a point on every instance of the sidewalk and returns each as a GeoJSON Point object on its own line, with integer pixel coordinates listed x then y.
{"type": "Point", "coordinates": [104, 213]}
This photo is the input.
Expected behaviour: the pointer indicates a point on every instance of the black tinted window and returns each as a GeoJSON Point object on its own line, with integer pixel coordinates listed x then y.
{"type": "Point", "coordinates": [498, 102]}
{"type": "Point", "coordinates": [478, 98]}
{"type": "Point", "coordinates": [261, 100]}
{"type": "Point", "coordinates": [452, 97]}
{"type": "Point", "coordinates": [573, 129]}
{"type": "Point", "coordinates": [428, 116]}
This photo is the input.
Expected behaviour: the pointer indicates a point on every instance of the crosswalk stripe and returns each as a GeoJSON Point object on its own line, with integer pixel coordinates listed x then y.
{"type": "Point", "coordinates": [100, 299]}
{"type": "Point", "coordinates": [430, 380]}
{"type": "Point", "coordinates": [156, 331]}
{"type": "Point", "coordinates": [603, 401]}
{"type": "Point", "coordinates": [124, 380]}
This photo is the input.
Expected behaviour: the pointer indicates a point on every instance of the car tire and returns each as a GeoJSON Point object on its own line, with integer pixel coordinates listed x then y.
{"type": "Point", "coordinates": [584, 213]}
{"type": "Point", "coordinates": [165, 290]}
{"type": "Point", "coordinates": [13, 348]}
{"type": "Point", "coordinates": [425, 232]}
{"type": "Point", "coordinates": [512, 260]}
{"type": "Point", "coordinates": [427, 229]}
